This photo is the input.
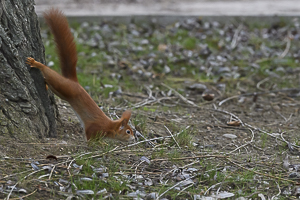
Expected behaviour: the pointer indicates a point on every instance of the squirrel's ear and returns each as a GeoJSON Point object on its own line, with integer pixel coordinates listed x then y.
{"type": "Point", "coordinates": [126, 115]}
{"type": "Point", "coordinates": [125, 118]}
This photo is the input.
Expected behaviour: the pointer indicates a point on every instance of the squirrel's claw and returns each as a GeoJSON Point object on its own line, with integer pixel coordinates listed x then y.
{"type": "Point", "coordinates": [30, 61]}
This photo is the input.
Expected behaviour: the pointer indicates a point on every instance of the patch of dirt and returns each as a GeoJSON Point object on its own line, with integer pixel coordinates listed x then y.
{"type": "Point", "coordinates": [275, 113]}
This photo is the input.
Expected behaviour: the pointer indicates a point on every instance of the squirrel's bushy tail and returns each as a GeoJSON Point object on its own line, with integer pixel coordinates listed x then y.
{"type": "Point", "coordinates": [65, 44]}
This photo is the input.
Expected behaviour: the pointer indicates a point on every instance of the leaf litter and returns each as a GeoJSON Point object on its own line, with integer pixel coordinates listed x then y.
{"type": "Point", "coordinates": [215, 108]}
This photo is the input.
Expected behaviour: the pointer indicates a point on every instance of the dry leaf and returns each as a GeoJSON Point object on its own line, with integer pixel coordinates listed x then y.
{"type": "Point", "coordinates": [234, 123]}
{"type": "Point", "coordinates": [123, 64]}
{"type": "Point", "coordinates": [208, 97]}
{"type": "Point", "coordinates": [162, 47]}
{"type": "Point", "coordinates": [51, 157]}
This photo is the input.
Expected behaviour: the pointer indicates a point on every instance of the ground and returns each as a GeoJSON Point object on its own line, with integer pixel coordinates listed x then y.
{"type": "Point", "coordinates": [219, 102]}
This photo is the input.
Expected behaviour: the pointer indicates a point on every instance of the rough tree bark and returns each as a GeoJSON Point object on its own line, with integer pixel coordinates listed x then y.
{"type": "Point", "coordinates": [27, 110]}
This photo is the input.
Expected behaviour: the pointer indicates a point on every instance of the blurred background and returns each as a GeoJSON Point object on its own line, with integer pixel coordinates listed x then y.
{"type": "Point", "coordinates": [173, 7]}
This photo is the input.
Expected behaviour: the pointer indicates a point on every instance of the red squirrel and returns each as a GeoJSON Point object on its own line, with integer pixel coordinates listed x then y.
{"type": "Point", "coordinates": [66, 86]}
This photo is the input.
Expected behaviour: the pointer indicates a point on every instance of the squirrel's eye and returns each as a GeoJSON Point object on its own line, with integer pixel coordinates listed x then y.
{"type": "Point", "coordinates": [128, 131]}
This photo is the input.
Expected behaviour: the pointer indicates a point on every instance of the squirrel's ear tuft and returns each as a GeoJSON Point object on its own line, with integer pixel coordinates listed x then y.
{"type": "Point", "coordinates": [126, 115]}
{"type": "Point", "coordinates": [125, 118]}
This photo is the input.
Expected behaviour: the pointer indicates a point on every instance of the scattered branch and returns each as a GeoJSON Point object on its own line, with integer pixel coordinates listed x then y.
{"type": "Point", "coordinates": [252, 139]}
{"type": "Point", "coordinates": [172, 137]}
{"type": "Point", "coordinates": [288, 39]}
{"type": "Point", "coordinates": [236, 36]}
{"type": "Point", "coordinates": [266, 175]}
{"type": "Point", "coordinates": [180, 96]}
{"type": "Point", "coordinates": [22, 197]}
{"type": "Point", "coordinates": [261, 82]}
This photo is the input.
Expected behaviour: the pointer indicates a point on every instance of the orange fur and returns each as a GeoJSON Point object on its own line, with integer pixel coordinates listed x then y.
{"type": "Point", "coordinates": [95, 122]}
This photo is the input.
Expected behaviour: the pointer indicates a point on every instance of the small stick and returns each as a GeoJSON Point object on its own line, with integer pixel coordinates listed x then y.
{"type": "Point", "coordinates": [15, 174]}
{"type": "Point", "coordinates": [158, 138]}
{"type": "Point", "coordinates": [184, 158]}
{"type": "Point", "coordinates": [236, 36]}
{"type": "Point", "coordinates": [172, 137]}
{"type": "Point", "coordinates": [175, 186]}
{"type": "Point", "coordinates": [151, 143]}
{"type": "Point", "coordinates": [14, 186]}
{"type": "Point", "coordinates": [267, 175]}
{"type": "Point", "coordinates": [229, 113]}
{"type": "Point", "coordinates": [261, 82]}
{"type": "Point", "coordinates": [245, 143]}
{"type": "Point", "coordinates": [269, 134]}
{"type": "Point", "coordinates": [27, 195]}
{"type": "Point", "coordinates": [51, 172]}
{"type": "Point", "coordinates": [288, 45]}
{"type": "Point", "coordinates": [275, 196]}
{"type": "Point", "coordinates": [211, 187]}
{"type": "Point", "coordinates": [180, 96]}
{"type": "Point", "coordinates": [227, 99]}
{"type": "Point", "coordinates": [184, 189]}
{"type": "Point", "coordinates": [136, 167]}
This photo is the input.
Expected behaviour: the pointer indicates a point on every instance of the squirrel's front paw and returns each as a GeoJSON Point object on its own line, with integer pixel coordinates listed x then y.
{"type": "Point", "coordinates": [30, 61]}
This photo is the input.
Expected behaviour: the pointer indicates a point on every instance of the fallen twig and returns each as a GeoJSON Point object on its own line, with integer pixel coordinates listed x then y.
{"type": "Point", "coordinates": [227, 99]}
{"type": "Point", "coordinates": [22, 197]}
{"type": "Point", "coordinates": [267, 175]}
{"type": "Point", "coordinates": [229, 113]}
{"type": "Point", "coordinates": [51, 172]}
{"type": "Point", "coordinates": [185, 158]}
{"type": "Point", "coordinates": [261, 82]}
{"type": "Point", "coordinates": [279, 192]}
{"type": "Point", "coordinates": [14, 186]}
{"type": "Point", "coordinates": [175, 186]}
{"type": "Point", "coordinates": [180, 96]}
{"type": "Point", "coordinates": [269, 134]}
{"type": "Point", "coordinates": [252, 139]}
{"type": "Point", "coordinates": [236, 36]}
{"type": "Point", "coordinates": [172, 137]}
{"type": "Point", "coordinates": [288, 39]}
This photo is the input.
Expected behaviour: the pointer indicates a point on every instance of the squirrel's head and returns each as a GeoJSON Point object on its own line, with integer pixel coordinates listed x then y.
{"type": "Point", "coordinates": [123, 130]}
{"type": "Point", "coordinates": [114, 129]}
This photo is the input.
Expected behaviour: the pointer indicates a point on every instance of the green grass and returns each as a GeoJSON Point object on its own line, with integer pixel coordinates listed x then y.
{"type": "Point", "coordinates": [140, 123]}
{"type": "Point", "coordinates": [179, 38]}
{"type": "Point", "coordinates": [264, 138]}
{"type": "Point", "coordinates": [94, 71]}
{"type": "Point", "coordinates": [174, 153]}
{"type": "Point", "coordinates": [189, 43]}
{"type": "Point", "coordinates": [184, 139]}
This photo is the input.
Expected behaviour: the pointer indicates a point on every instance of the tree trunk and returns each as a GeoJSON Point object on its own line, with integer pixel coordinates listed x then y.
{"type": "Point", "coordinates": [27, 109]}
